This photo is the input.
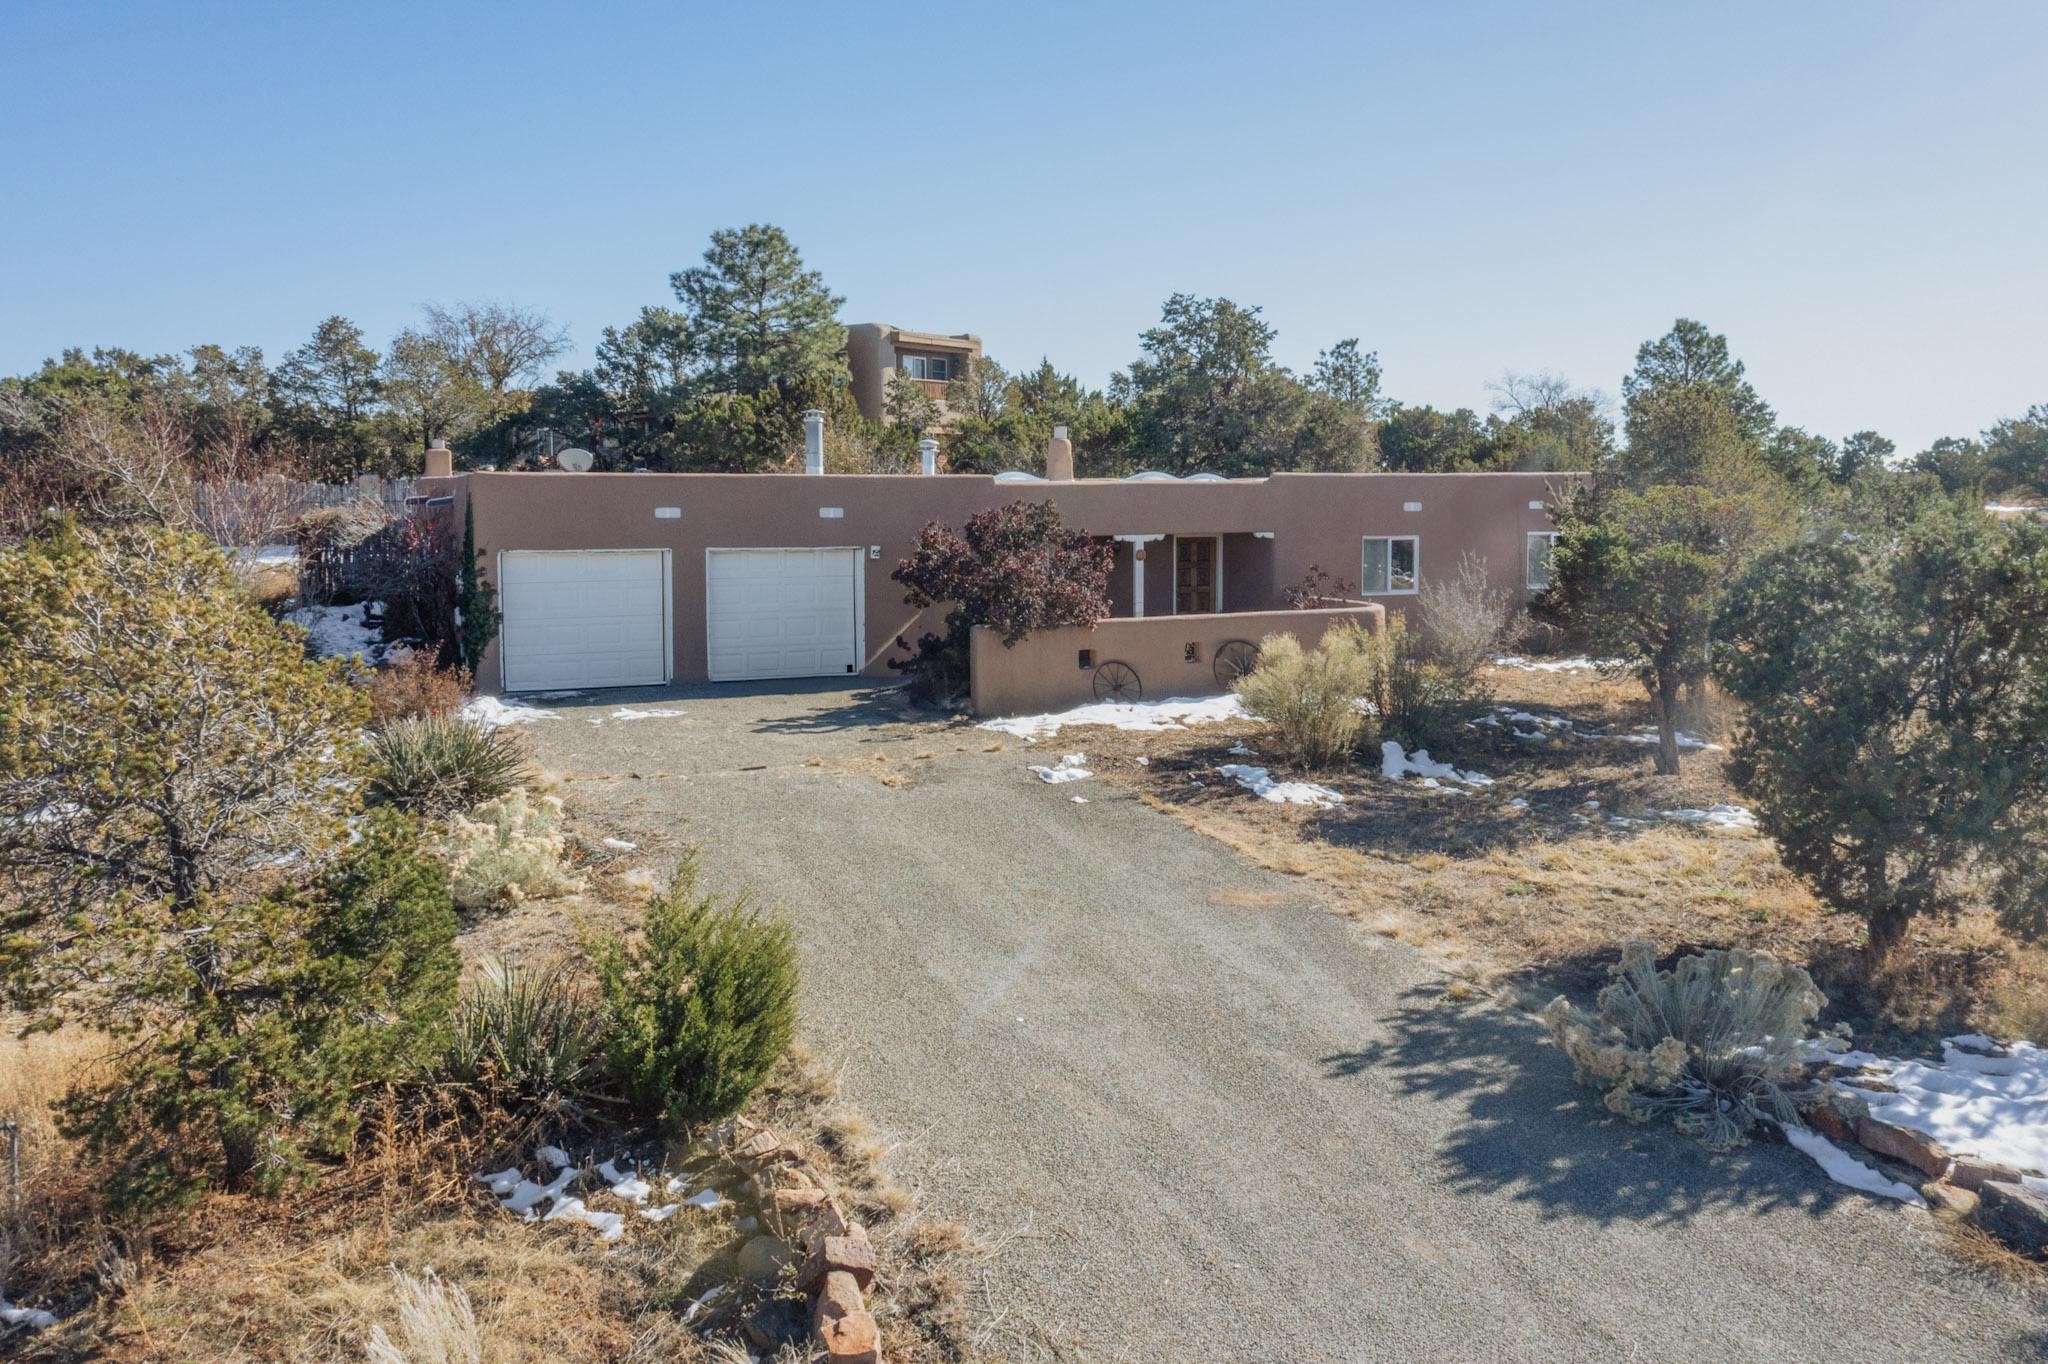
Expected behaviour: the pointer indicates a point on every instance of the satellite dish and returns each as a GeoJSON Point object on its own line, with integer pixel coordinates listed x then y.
{"type": "Point", "coordinates": [575, 460]}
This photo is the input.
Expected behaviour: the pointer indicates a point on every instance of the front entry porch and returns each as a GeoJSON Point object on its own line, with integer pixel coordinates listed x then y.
{"type": "Point", "coordinates": [1183, 573]}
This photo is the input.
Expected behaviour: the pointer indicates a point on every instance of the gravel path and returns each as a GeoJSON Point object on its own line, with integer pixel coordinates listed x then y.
{"type": "Point", "coordinates": [1205, 1117]}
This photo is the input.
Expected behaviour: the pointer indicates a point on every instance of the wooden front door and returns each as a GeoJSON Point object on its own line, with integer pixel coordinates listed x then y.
{"type": "Point", "coordinates": [1194, 575]}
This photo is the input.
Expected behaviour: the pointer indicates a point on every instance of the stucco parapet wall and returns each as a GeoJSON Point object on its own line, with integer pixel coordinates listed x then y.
{"type": "Point", "coordinates": [1172, 655]}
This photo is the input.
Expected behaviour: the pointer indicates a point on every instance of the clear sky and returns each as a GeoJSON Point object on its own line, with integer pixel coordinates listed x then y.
{"type": "Point", "coordinates": [1854, 193]}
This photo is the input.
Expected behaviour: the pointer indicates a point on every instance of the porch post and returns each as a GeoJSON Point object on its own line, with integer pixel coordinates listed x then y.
{"type": "Point", "coordinates": [1137, 544]}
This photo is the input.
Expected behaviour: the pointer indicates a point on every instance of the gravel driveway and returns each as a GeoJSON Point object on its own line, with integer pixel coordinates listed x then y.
{"type": "Point", "coordinates": [1202, 1115]}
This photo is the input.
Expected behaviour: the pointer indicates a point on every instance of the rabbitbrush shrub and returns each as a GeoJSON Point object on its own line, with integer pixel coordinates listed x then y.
{"type": "Point", "coordinates": [508, 850]}
{"type": "Point", "coordinates": [1310, 696]}
{"type": "Point", "coordinates": [1713, 1042]}
{"type": "Point", "coordinates": [436, 766]}
{"type": "Point", "coordinates": [413, 686]}
{"type": "Point", "coordinates": [704, 1008]}
{"type": "Point", "coordinates": [527, 1041]}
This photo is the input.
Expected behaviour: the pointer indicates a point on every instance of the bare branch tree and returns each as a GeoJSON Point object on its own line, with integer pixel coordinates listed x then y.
{"type": "Point", "coordinates": [496, 343]}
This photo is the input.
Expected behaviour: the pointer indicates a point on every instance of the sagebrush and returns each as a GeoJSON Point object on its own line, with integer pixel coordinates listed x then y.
{"type": "Point", "coordinates": [1715, 1043]}
{"type": "Point", "coordinates": [436, 766]}
{"type": "Point", "coordinates": [508, 850]}
{"type": "Point", "coordinates": [703, 1008]}
{"type": "Point", "coordinates": [1311, 696]}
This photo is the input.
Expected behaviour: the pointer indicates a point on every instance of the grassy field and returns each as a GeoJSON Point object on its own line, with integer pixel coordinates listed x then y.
{"type": "Point", "coordinates": [1541, 896]}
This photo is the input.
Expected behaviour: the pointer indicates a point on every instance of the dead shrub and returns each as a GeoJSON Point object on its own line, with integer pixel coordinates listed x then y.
{"type": "Point", "coordinates": [411, 687]}
{"type": "Point", "coordinates": [1466, 621]}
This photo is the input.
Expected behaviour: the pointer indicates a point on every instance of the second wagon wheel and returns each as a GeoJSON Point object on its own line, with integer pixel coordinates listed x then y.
{"type": "Point", "coordinates": [1117, 681]}
{"type": "Point", "coordinates": [1234, 659]}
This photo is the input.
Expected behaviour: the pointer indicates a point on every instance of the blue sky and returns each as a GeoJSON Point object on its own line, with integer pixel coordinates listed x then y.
{"type": "Point", "coordinates": [1852, 192]}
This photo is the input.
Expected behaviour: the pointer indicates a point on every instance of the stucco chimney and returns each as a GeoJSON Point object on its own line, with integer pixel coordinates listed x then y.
{"type": "Point", "coordinates": [814, 441]}
{"type": "Point", "coordinates": [1059, 456]}
{"type": "Point", "coordinates": [440, 460]}
{"type": "Point", "coordinates": [927, 456]}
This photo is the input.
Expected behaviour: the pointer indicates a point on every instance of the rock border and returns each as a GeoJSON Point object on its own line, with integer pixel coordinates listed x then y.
{"type": "Point", "coordinates": [1989, 1195]}
{"type": "Point", "coordinates": [839, 1260]}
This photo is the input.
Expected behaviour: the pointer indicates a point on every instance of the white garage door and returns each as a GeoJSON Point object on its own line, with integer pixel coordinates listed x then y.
{"type": "Point", "coordinates": [577, 619]}
{"type": "Point", "coordinates": [782, 612]}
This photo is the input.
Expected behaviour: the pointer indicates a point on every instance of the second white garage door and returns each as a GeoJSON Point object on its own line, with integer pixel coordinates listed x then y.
{"type": "Point", "coordinates": [782, 613]}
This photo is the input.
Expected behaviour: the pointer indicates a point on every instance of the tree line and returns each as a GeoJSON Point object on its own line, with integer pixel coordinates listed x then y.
{"type": "Point", "coordinates": [717, 379]}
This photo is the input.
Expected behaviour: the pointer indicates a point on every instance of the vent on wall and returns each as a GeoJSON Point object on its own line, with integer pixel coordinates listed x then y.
{"type": "Point", "coordinates": [668, 513]}
{"type": "Point", "coordinates": [1411, 506]}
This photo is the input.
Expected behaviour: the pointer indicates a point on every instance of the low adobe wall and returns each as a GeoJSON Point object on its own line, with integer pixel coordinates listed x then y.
{"type": "Point", "coordinates": [1172, 655]}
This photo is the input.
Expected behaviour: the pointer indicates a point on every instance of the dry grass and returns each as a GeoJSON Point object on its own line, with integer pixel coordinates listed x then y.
{"type": "Point", "coordinates": [1550, 892]}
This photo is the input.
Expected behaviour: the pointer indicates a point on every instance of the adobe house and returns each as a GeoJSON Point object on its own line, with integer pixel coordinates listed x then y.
{"type": "Point", "coordinates": [641, 579]}
{"type": "Point", "coordinates": [877, 352]}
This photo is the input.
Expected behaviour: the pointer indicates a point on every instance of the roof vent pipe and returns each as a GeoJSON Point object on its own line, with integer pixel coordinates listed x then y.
{"type": "Point", "coordinates": [1059, 456]}
{"type": "Point", "coordinates": [814, 440]}
{"type": "Point", "coordinates": [927, 456]}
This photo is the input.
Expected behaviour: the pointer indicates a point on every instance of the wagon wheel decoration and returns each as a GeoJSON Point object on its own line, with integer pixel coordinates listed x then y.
{"type": "Point", "coordinates": [1117, 681]}
{"type": "Point", "coordinates": [1234, 659]}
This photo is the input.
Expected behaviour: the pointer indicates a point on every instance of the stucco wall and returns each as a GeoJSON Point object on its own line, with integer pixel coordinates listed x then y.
{"type": "Point", "coordinates": [1046, 672]}
{"type": "Point", "coordinates": [1314, 519]}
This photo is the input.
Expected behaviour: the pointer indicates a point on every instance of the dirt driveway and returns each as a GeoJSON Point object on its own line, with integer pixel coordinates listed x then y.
{"type": "Point", "coordinates": [1205, 1117]}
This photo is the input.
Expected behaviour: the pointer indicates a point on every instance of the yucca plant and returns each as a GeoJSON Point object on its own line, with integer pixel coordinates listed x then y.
{"type": "Point", "coordinates": [438, 766]}
{"type": "Point", "coordinates": [531, 1041]}
{"type": "Point", "coordinates": [1714, 1042]}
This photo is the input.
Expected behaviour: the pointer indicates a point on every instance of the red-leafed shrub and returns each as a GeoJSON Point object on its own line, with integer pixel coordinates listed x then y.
{"type": "Point", "coordinates": [413, 686]}
{"type": "Point", "coordinates": [1013, 568]}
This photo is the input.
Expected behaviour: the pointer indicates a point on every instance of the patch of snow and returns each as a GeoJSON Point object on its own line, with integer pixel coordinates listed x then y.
{"type": "Point", "coordinates": [1144, 761]}
{"type": "Point", "coordinates": [609, 1226]}
{"type": "Point", "coordinates": [706, 1198]}
{"type": "Point", "coordinates": [1068, 768]}
{"type": "Point", "coordinates": [628, 713]}
{"type": "Point", "coordinates": [1518, 803]}
{"type": "Point", "coordinates": [1259, 781]}
{"type": "Point", "coordinates": [1175, 712]}
{"type": "Point", "coordinates": [1844, 1168]}
{"type": "Point", "coordinates": [1240, 749]}
{"type": "Point", "coordinates": [492, 712]}
{"type": "Point", "coordinates": [1592, 805]}
{"type": "Point", "coordinates": [1714, 816]}
{"type": "Point", "coordinates": [1078, 800]}
{"type": "Point", "coordinates": [1993, 1107]}
{"type": "Point", "coordinates": [34, 1318]}
{"type": "Point", "coordinates": [619, 845]}
{"type": "Point", "coordinates": [1394, 765]}
{"type": "Point", "coordinates": [555, 1157]}
{"type": "Point", "coordinates": [1547, 665]}
{"type": "Point", "coordinates": [676, 1184]}
{"type": "Point", "coordinates": [341, 631]}
{"type": "Point", "coordinates": [503, 1182]}
{"type": "Point", "coordinates": [700, 1304]}
{"type": "Point", "coordinates": [270, 554]}
{"type": "Point", "coordinates": [610, 1173]}
{"type": "Point", "coordinates": [662, 1213]}
{"type": "Point", "coordinates": [1649, 737]}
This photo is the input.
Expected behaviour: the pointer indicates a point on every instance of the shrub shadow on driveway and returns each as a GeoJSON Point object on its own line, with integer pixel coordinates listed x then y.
{"type": "Point", "coordinates": [1530, 1133]}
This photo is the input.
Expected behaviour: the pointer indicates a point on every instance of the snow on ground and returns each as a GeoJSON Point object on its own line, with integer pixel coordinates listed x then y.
{"type": "Point", "coordinates": [619, 844]}
{"type": "Point", "coordinates": [269, 554]}
{"type": "Point", "coordinates": [1973, 1101]}
{"type": "Point", "coordinates": [341, 631]}
{"type": "Point", "coordinates": [1649, 736]}
{"type": "Point", "coordinates": [522, 1197]}
{"type": "Point", "coordinates": [1844, 1168]}
{"type": "Point", "coordinates": [1259, 781]}
{"type": "Point", "coordinates": [1714, 816]}
{"type": "Point", "coordinates": [1175, 712]}
{"type": "Point", "coordinates": [492, 711]}
{"type": "Point", "coordinates": [35, 1319]}
{"type": "Point", "coordinates": [1068, 768]}
{"type": "Point", "coordinates": [1544, 665]}
{"type": "Point", "coordinates": [1394, 765]}
{"type": "Point", "coordinates": [628, 713]}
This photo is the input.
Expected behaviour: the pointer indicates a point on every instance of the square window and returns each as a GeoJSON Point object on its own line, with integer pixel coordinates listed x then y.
{"type": "Point", "coordinates": [1389, 565]}
{"type": "Point", "coordinates": [913, 365]}
{"type": "Point", "coordinates": [1537, 562]}
{"type": "Point", "coordinates": [938, 367]}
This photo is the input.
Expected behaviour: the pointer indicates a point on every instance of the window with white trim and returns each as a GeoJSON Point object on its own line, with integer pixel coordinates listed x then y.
{"type": "Point", "coordinates": [1536, 559]}
{"type": "Point", "coordinates": [925, 367]}
{"type": "Point", "coordinates": [1389, 565]}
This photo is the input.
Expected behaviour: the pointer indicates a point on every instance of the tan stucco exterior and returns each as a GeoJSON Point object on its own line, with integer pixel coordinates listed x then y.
{"type": "Point", "coordinates": [1172, 655]}
{"type": "Point", "coordinates": [872, 351]}
{"type": "Point", "coordinates": [1272, 531]}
